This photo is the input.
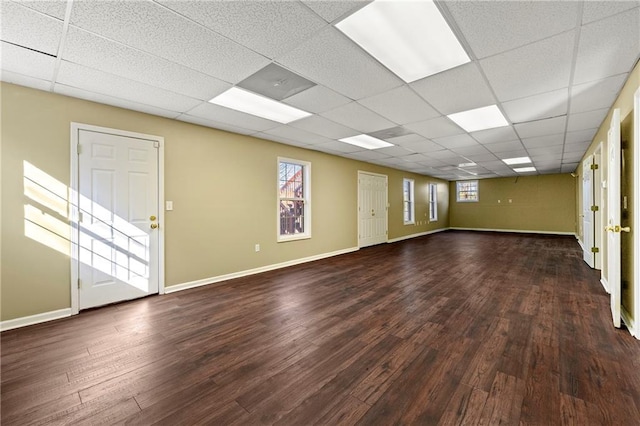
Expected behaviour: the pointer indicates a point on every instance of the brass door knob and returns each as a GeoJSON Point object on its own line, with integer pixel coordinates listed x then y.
{"type": "Point", "coordinates": [154, 225]}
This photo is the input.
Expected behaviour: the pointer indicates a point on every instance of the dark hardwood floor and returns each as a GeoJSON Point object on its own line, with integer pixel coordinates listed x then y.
{"type": "Point", "coordinates": [451, 328]}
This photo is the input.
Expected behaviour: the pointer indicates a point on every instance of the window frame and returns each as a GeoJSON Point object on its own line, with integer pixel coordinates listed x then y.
{"type": "Point", "coordinates": [306, 199]}
{"type": "Point", "coordinates": [411, 202]}
{"type": "Point", "coordinates": [467, 200]}
{"type": "Point", "coordinates": [433, 202]}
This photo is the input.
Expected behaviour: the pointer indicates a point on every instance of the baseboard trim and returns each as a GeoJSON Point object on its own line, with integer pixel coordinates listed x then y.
{"type": "Point", "coordinates": [580, 243]}
{"type": "Point", "coordinates": [629, 322]}
{"type": "Point", "coordinates": [240, 274]}
{"type": "Point", "coordinates": [517, 231]}
{"type": "Point", "coordinates": [34, 319]}
{"type": "Point", "coordinates": [605, 284]}
{"type": "Point", "coordinates": [420, 234]}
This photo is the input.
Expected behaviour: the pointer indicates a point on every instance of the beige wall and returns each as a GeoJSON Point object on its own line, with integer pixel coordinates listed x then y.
{"type": "Point", "coordinates": [624, 102]}
{"type": "Point", "coordinates": [538, 203]}
{"type": "Point", "coordinates": [222, 185]}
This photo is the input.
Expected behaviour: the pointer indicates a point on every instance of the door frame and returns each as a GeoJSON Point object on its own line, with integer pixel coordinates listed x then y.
{"type": "Point", "coordinates": [634, 328]}
{"type": "Point", "coordinates": [386, 209]}
{"type": "Point", "coordinates": [74, 203]}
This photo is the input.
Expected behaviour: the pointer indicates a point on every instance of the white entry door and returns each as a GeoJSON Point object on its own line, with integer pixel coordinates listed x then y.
{"type": "Point", "coordinates": [118, 211]}
{"type": "Point", "coordinates": [613, 216]}
{"type": "Point", "coordinates": [372, 209]}
{"type": "Point", "coordinates": [587, 213]}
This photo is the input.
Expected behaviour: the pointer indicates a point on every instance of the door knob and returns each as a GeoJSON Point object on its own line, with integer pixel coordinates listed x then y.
{"type": "Point", "coordinates": [154, 225]}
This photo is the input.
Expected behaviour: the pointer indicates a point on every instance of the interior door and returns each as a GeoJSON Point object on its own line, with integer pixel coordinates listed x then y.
{"type": "Point", "coordinates": [613, 216]}
{"type": "Point", "coordinates": [372, 209]}
{"type": "Point", "coordinates": [118, 207]}
{"type": "Point", "coordinates": [587, 213]}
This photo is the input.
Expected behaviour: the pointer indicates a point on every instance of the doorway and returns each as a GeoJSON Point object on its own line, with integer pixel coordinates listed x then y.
{"type": "Point", "coordinates": [372, 209]}
{"type": "Point", "coordinates": [117, 220]}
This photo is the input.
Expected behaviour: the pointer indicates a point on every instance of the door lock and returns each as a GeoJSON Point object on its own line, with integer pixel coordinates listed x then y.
{"type": "Point", "coordinates": [154, 225]}
{"type": "Point", "coordinates": [152, 218]}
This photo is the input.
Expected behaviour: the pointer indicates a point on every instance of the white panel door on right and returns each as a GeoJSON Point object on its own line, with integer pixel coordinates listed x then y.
{"type": "Point", "coordinates": [613, 217]}
{"type": "Point", "coordinates": [372, 209]}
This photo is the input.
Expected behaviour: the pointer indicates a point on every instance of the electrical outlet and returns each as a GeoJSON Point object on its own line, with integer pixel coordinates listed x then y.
{"type": "Point", "coordinates": [257, 247]}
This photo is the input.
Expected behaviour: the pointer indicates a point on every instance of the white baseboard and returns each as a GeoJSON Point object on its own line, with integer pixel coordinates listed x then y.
{"type": "Point", "coordinates": [605, 284]}
{"type": "Point", "coordinates": [34, 319]}
{"type": "Point", "coordinates": [517, 231]}
{"type": "Point", "coordinates": [420, 234]}
{"type": "Point", "coordinates": [629, 322]}
{"type": "Point", "coordinates": [580, 243]}
{"type": "Point", "coordinates": [219, 278]}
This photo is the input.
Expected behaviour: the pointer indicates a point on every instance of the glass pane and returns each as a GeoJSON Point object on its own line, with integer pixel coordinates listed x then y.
{"type": "Point", "coordinates": [291, 180]}
{"type": "Point", "coordinates": [291, 217]}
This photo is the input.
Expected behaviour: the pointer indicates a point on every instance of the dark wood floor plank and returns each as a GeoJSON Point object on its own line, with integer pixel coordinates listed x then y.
{"type": "Point", "coordinates": [451, 328]}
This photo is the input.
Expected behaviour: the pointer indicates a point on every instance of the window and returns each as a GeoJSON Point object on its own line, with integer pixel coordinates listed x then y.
{"type": "Point", "coordinates": [467, 191]}
{"type": "Point", "coordinates": [433, 202]}
{"type": "Point", "coordinates": [294, 208]}
{"type": "Point", "coordinates": [409, 204]}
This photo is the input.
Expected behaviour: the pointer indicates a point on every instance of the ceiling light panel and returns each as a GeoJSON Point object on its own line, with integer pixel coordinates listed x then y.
{"type": "Point", "coordinates": [244, 101]}
{"type": "Point", "coordinates": [517, 160]}
{"type": "Point", "coordinates": [366, 141]}
{"type": "Point", "coordinates": [411, 38]}
{"type": "Point", "coordinates": [488, 117]}
{"type": "Point", "coordinates": [524, 169]}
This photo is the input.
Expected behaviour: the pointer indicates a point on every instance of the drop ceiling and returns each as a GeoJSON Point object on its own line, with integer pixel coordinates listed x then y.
{"type": "Point", "coordinates": [553, 69]}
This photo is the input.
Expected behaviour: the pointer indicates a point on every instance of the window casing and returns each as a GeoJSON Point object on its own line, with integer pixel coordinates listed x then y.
{"type": "Point", "coordinates": [433, 202]}
{"type": "Point", "coordinates": [467, 191]}
{"type": "Point", "coordinates": [294, 199]}
{"type": "Point", "coordinates": [408, 201]}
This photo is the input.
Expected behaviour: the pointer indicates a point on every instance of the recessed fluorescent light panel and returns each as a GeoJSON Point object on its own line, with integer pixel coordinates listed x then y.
{"type": "Point", "coordinates": [467, 164]}
{"type": "Point", "coordinates": [244, 101]}
{"type": "Point", "coordinates": [411, 38]}
{"type": "Point", "coordinates": [488, 117]}
{"type": "Point", "coordinates": [517, 160]}
{"type": "Point", "coordinates": [524, 169]}
{"type": "Point", "coordinates": [366, 141]}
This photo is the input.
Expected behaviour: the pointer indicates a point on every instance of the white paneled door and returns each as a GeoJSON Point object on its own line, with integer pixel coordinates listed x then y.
{"type": "Point", "coordinates": [613, 217]}
{"type": "Point", "coordinates": [372, 209]}
{"type": "Point", "coordinates": [118, 200]}
{"type": "Point", "coordinates": [587, 212]}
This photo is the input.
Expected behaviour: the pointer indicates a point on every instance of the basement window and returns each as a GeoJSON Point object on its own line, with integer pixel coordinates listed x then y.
{"type": "Point", "coordinates": [467, 191]}
{"type": "Point", "coordinates": [294, 202]}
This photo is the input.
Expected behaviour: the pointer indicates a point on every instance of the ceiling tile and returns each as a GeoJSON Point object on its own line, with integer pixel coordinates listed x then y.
{"type": "Point", "coordinates": [27, 62]}
{"type": "Point", "coordinates": [456, 141]}
{"type": "Point", "coordinates": [511, 154]}
{"type": "Point", "coordinates": [504, 146]}
{"type": "Point", "coordinates": [400, 105]}
{"type": "Point", "coordinates": [546, 150]}
{"type": "Point", "coordinates": [330, 10]}
{"type": "Point", "coordinates": [447, 156]}
{"type": "Point", "coordinates": [105, 99]}
{"type": "Point", "coordinates": [596, 94]}
{"type": "Point", "coordinates": [19, 26]}
{"type": "Point", "coordinates": [108, 84]}
{"type": "Point", "coordinates": [577, 147]}
{"type": "Point", "coordinates": [337, 146]}
{"type": "Point", "coordinates": [541, 141]}
{"type": "Point", "coordinates": [331, 59]}
{"type": "Point", "coordinates": [472, 150]}
{"type": "Point", "coordinates": [99, 53]}
{"type": "Point", "coordinates": [152, 28]}
{"type": "Point", "coordinates": [596, 10]}
{"type": "Point", "coordinates": [395, 151]}
{"type": "Point", "coordinates": [283, 140]}
{"type": "Point", "coordinates": [544, 66]}
{"type": "Point", "coordinates": [270, 28]}
{"type": "Point", "coordinates": [317, 99]}
{"type": "Point", "coordinates": [299, 135]}
{"type": "Point", "coordinates": [367, 155]}
{"type": "Point", "coordinates": [407, 139]}
{"type": "Point", "coordinates": [230, 117]}
{"type": "Point", "coordinates": [459, 89]}
{"type": "Point", "coordinates": [424, 146]}
{"type": "Point", "coordinates": [587, 120]}
{"type": "Point", "coordinates": [214, 124]}
{"type": "Point", "coordinates": [435, 128]}
{"type": "Point", "coordinates": [580, 136]}
{"type": "Point", "coordinates": [548, 126]}
{"type": "Point", "coordinates": [485, 23]}
{"type": "Point", "coordinates": [571, 157]}
{"type": "Point", "coordinates": [358, 117]}
{"type": "Point", "coordinates": [500, 134]}
{"type": "Point", "coordinates": [324, 127]}
{"type": "Point", "coordinates": [608, 47]}
{"type": "Point", "coordinates": [568, 168]}
{"type": "Point", "coordinates": [414, 158]}
{"type": "Point", "coordinates": [544, 105]}
{"type": "Point", "coordinates": [24, 80]}
{"type": "Point", "coordinates": [53, 8]}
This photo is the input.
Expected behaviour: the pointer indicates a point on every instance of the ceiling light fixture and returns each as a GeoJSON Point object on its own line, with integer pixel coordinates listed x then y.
{"type": "Point", "coordinates": [524, 169]}
{"type": "Point", "coordinates": [250, 103]}
{"type": "Point", "coordinates": [411, 38]}
{"type": "Point", "coordinates": [366, 141]}
{"type": "Point", "coordinates": [488, 117]}
{"type": "Point", "coordinates": [516, 160]}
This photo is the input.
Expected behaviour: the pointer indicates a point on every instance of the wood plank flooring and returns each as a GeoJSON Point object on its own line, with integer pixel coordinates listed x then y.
{"type": "Point", "coordinates": [451, 328]}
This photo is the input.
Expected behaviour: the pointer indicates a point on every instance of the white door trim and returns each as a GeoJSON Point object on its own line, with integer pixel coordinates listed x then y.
{"type": "Point", "coordinates": [636, 212]}
{"type": "Point", "coordinates": [599, 223]}
{"type": "Point", "coordinates": [73, 202]}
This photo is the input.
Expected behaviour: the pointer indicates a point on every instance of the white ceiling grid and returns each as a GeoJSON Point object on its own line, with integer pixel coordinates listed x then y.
{"type": "Point", "coordinates": [553, 68]}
